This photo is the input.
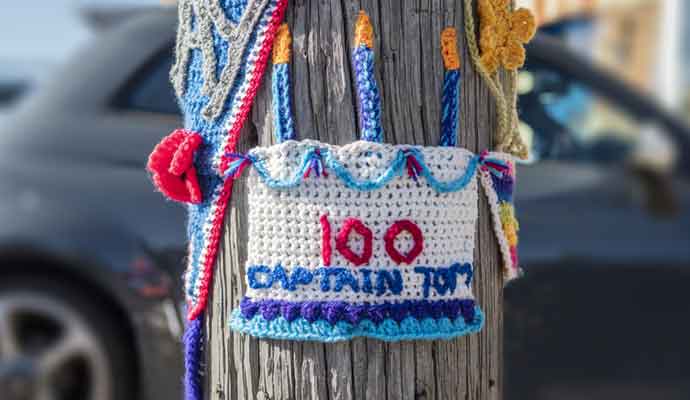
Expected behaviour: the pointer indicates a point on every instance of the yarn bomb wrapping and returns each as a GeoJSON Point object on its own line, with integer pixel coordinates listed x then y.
{"type": "Point", "coordinates": [305, 199]}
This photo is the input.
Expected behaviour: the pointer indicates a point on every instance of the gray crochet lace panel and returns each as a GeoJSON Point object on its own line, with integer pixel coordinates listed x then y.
{"type": "Point", "coordinates": [209, 14]}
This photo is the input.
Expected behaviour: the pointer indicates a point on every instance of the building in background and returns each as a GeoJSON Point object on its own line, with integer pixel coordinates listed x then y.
{"type": "Point", "coordinates": [640, 40]}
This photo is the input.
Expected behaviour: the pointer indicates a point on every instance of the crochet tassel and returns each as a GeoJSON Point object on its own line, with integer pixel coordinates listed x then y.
{"type": "Point", "coordinates": [284, 125]}
{"type": "Point", "coordinates": [367, 88]}
{"type": "Point", "coordinates": [192, 358]}
{"type": "Point", "coordinates": [451, 88]}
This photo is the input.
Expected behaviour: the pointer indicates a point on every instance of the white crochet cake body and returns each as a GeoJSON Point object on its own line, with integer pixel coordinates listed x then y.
{"type": "Point", "coordinates": [314, 209]}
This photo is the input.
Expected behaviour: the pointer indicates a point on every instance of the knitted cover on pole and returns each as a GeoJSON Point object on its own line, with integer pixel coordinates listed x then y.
{"type": "Point", "coordinates": [221, 54]}
{"type": "Point", "coordinates": [367, 239]}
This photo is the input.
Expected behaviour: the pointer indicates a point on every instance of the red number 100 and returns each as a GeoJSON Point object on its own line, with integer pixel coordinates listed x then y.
{"type": "Point", "coordinates": [352, 224]}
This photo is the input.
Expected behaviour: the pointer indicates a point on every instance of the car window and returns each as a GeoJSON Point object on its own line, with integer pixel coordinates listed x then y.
{"type": "Point", "coordinates": [565, 119]}
{"type": "Point", "coordinates": [150, 89]}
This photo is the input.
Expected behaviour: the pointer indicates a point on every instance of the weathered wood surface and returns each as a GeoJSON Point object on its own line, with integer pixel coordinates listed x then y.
{"type": "Point", "coordinates": [410, 72]}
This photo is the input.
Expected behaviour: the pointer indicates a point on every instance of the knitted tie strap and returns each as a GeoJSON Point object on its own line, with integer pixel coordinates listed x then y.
{"type": "Point", "coordinates": [221, 55]}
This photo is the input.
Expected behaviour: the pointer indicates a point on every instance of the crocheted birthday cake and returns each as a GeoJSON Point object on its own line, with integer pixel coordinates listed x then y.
{"type": "Point", "coordinates": [366, 239]}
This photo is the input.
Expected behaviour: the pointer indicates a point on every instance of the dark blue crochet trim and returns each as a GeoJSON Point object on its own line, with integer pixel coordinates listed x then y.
{"type": "Point", "coordinates": [337, 311]}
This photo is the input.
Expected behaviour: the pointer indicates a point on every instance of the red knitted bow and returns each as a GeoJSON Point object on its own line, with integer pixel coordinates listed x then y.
{"type": "Point", "coordinates": [172, 166]}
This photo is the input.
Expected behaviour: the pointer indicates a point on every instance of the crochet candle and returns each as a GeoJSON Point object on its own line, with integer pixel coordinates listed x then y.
{"type": "Point", "coordinates": [367, 88]}
{"type": "Point", "coordinates": [283, 124]}
{"type": "Point", "coordinates": [451, 82]}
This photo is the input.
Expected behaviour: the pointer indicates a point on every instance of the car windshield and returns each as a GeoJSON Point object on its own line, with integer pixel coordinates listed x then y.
{"type": "Point", "coordinates": [564, 118]}
{"type": "Point", "coordinates": [150, 89]}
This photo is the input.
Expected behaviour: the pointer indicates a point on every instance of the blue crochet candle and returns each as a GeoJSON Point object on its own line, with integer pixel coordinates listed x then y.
{"type": "Point", "coordinates": [367, 88]}
{"type": "Point", "coordinates": [283, 123]}
{"type": "Point", "coordinates": [451, 88]}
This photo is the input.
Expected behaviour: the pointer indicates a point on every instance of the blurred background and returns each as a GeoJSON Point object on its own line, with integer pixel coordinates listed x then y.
{"type": "Point", "coordinates": [90, 303]}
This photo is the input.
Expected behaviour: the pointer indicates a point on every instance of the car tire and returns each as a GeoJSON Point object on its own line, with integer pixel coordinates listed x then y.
{"type": "Point", "coordinates": [58, 341]}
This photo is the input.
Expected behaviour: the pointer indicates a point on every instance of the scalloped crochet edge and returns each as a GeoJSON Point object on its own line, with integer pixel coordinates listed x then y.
{"type": "Point", "coordinates": [395, 169]}
{"type": "Point", "coordinates": [389, 330]}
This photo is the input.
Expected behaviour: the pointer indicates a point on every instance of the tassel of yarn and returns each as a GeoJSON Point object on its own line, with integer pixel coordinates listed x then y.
{"type": "Point", "coordinates": [367, 88]}
{"type": "Point", "coordinates": [451, 88]}
{"type": "Point", "coordinates": [193, 353]}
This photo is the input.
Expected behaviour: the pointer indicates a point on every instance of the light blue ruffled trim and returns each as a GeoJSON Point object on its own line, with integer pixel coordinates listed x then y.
{"type": "Point", "coordinates": [288, 183]}
{"type": "Point", "coordinates": [389, 330]}
{"type": "Point", "coordinates": [395, 169]}
{"type": "Point", "coordinates": [450, 186]}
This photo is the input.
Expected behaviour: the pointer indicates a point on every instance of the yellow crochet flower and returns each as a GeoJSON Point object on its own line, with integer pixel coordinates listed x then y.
{"type": "Point", "coordinates": [503, 34]}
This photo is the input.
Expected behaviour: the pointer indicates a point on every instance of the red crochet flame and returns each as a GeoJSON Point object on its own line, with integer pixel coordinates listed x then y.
{"type": "Point", "coordinates": [172, 166]}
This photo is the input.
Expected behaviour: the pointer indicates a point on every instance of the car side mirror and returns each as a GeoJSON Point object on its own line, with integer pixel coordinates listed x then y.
{"type": "Point", "coordinates": [660, 198]}
{"type": "Point", "coordinates": [653, 161]}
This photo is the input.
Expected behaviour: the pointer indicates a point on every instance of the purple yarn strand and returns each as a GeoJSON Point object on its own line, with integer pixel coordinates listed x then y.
{"type": "Point", "coordinates": [192, 359]}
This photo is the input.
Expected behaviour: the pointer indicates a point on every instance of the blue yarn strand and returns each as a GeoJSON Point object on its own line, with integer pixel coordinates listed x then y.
{"type": "Point", "coordinates": [283, 122]}
{"type": "Point", "coordinates": [451, 108]}
{"type": "Point", "coordinates": [192, 359]}
{"type": "Point", "coordinates": [369, 96]}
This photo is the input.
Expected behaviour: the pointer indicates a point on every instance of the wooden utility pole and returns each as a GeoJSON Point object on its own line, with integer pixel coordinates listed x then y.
{"type": "Point", "coordinates": [410, 73]}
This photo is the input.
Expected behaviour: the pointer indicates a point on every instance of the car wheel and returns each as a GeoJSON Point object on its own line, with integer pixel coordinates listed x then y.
{"type": "Point", "coordinates": [57, 344]}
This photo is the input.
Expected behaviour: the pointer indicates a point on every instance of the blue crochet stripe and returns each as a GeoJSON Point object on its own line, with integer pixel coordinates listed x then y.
{"type": "Point", "coordinates": [451, 108]}
{"type": "Point", "coordinates": [283, 122]}
{"type": "Point", "coordinates": [213, 132]}
{"type": "Point", "coordinates": [396, 168]}
{"type": "Point", "coordinates": [389, 330]}
{"type": "Point", "coordinates": [234, 9]}
{"type": "Point", "coordinates": [369, 96]}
